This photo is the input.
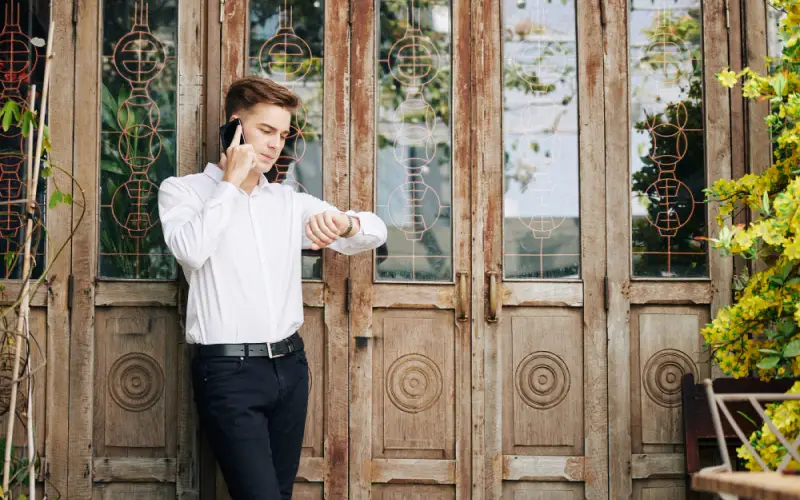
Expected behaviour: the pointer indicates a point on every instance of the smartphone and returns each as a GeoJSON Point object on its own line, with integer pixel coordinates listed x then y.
{"type": "Point", "coordinates": [227, 131]}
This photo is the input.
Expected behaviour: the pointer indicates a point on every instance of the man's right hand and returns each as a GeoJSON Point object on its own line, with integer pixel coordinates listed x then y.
{"type": "Point", "coordinates": [238, 160]}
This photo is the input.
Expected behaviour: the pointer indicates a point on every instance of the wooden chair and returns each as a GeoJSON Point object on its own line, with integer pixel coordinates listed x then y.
{"type": "Point", "coordinates": [698, 425]}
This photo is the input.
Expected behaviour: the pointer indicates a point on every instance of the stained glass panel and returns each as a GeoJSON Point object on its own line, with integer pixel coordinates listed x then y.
{"type": "Point", "coordinates": [667, 146]}
{"type": "Point", "coordinates": [286, 45]}
{"type": "Point", "coordinates": [414, 170]}
{"type": "Point", "coordinates": [21, 64]}
{"type": "Point", "coordinates": [541, 208]}
{"type": "Point", "coordinates": [139, 133]}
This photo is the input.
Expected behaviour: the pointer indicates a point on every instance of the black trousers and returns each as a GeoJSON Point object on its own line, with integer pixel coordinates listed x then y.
{"type": "Point", "coordinates": [253, 410]}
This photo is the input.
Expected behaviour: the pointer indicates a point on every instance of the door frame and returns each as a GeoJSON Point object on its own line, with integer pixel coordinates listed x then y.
{"type": "Point", "coordinates": [489, 462]}
{"type": "Point", "coordinates": [330, 293]}
{"type": "Point", "coordinates": [623, 290]}
{"type": "Point", "coordinates": [367, 294]}
{"type": "Point", "coordinates": [87, 293]}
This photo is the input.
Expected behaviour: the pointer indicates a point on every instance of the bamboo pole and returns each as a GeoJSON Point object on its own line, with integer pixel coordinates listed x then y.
{"type": "Point", "coordinates": [31, 440]}
{"type": "Point", "coordinates": [26, 267]}
{"type": "Point", "coordinates": [26, 318]}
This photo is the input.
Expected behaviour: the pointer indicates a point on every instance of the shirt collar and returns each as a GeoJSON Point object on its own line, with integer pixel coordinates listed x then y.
{"type": "Point", "coordinates": [213, 171]}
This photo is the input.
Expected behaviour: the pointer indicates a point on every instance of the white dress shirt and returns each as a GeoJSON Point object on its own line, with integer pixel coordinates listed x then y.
{"type": "Point", "coordinates": [241, 254]}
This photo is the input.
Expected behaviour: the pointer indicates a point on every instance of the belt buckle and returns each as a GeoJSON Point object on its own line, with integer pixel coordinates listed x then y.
{"type": "Point", "coordinates": [269, 352]}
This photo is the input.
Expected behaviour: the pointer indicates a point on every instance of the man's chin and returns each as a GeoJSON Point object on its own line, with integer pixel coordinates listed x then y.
{"type": "Point", "coordinates": [262, 168]}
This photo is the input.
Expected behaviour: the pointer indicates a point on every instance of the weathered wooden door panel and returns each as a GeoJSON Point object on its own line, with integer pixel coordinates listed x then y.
{"type": "Point", "coordinates": [409, 314]}
{"type": "Point", "coordinates": [540, 322]}
{"type": "Point", "coordinates": [41, 411]}
{"type": "Point", "coordinates": [413, 415]}
{"type": "Point", "coordinates": [132, 431]}
{"type": "Point", "coordinates": [21, 23]}
{"type": "Point", "coordinates": [541, 370]}
{"type": "Point", "coordinates": [136, 390]}
{"type": "Point", "coordinates": [667, 138]}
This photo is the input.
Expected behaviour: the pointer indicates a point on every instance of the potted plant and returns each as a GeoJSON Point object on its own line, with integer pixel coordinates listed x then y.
{"type": "Point", "coordinates": [759, 334]}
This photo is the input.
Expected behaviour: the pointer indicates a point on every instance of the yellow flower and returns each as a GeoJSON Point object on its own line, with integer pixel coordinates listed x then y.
{"type": "Point", "coordinates": [792, 249]}
{"type": "Point", "coordinates": [727, 78]}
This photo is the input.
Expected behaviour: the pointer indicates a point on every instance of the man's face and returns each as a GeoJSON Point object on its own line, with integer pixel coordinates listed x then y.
{"type": "Point", "coordinates": [265, 127]}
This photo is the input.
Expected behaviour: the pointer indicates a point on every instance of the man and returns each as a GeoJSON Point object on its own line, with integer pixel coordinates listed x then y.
{"type": "Point", "coordinates": [238, 239]}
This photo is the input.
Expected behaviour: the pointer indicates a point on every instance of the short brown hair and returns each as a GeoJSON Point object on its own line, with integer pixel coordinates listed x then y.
{"type": "Point", "coordinates": [252, 90]}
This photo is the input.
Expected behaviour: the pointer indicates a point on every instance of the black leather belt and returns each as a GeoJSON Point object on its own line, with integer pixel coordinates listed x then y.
{"type": "Point", "coordinates": [263, 350]}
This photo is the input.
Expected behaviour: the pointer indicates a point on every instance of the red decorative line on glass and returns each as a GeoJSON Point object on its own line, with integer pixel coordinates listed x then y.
{"type": "Point", "coordinates": [287, 58]}
{"type": "Point", "coordinates": [413, 62]}
{"type": "Point", "coordinates": [673, 197]}
{"type": "Point", "coordinates": [18, 60]}
{"type": "Point", "coordinates": [542, 64]}
{"type": "Point", "coordinates": [139, 57]}
{"type": "Point", "coordinates": [668, 59]}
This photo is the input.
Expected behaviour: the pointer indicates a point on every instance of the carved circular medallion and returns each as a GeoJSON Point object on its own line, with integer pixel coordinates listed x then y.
{"type": "Point", "coordinates": [662, 376]}
{"type": "Point", "coordinates": [414, 383]}
{"type": "Point", "coordinates": [136, 382]}
{"type": "Point", "coordinates": [7, 381]}
{"type": "Point", "coordinates": [542, 380]}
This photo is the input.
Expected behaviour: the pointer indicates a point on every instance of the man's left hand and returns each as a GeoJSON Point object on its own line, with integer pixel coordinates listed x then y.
{"type": "Point", "coordinates": [325, 228]}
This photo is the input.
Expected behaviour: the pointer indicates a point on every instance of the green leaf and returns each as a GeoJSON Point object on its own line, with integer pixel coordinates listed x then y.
{"type": "Point", "coordinates": [747, 417]}
{"type": "Point", "coordinates": [779, 84]}
{"type": "Point", "coordinates": [46, 172]}
{"type": "Point", "coordinates": [9, 112]}
{"type": "Point", "coordinates": [769, 362]}
{"type": "Point", "coordinates": [769, 351]}
{"type": "Point", "coordinates": [46, 146]}
{"type": "Point", "coordinates": [786, 327]}
{"type": "Point", "coordinates": [68, 198]}
{"type": "Point", "coordinates": [56, 198]}
{"type": "Point", "coordinates": [25, 123]}
{"type": "Point", "coordinates": [793, 281]}
{"type": "Point", "coordinates": [9, 260]}
{"type": "Point", "coordinates": [771, 334]}
{"type": "Point", "coordinates": [112, 166]}
{"type": "Point", "coordinates": [792, 349]}
{"type": "Point", "coordinates": [765, 203]}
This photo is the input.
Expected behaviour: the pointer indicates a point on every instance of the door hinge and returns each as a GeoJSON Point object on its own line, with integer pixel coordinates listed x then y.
{"type": "Point", "coordinates": [76, 4]}
{"type": "Point", "coordinates": [602, 12]}
{"type": "Point", "coordinates": [347, 295]}
{"type": "Point", "coordinates": [221, 11]}
{"type": "Point", "coordinates": [605, 293]}
{"type": "Point", "coordinates": [727, 15]}
{"type": "Point", "coordinates": [70, 290]}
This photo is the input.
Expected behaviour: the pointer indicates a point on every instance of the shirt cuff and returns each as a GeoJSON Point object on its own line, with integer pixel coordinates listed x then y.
{"type": "Point", "coordinates": [368, 226]}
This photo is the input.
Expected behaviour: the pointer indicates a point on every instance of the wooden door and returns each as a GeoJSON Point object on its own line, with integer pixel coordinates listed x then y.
{"type": "Point", "coordinates": [667, 138]}
{"type": "Point", "coordinates": [303, 45]}
{"type": "Point", "coordinates": [137, 120]}
{"type": "Point", "coordinates": [539, 198]}
{"type": "Point", "coordinates": [21, 23]}
{"type": "Point", "coordinates": [409, 301]}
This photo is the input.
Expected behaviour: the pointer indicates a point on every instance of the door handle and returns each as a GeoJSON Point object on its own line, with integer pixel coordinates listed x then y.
{"type": "Point", "coordinates": [492, 316]}
{"type": "Point", "coordinates": [462, 296]}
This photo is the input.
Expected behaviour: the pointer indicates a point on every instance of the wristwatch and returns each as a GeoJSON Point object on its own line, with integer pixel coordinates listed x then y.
{"type": "Point", "coordinates": [346, 234]}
